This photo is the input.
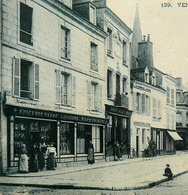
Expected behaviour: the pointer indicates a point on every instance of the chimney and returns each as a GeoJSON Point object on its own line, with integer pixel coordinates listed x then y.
{"type": "Point", "coordinates": [144, 38]}
{"type": "Point", "coordinates": [145, 53]}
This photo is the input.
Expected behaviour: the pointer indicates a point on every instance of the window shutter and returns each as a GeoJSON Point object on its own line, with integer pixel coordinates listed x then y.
{"type": "Point", "coordinates": [89, 95]}
{"type": "Point", "coordinates": [63, 42]}
{"type": "Point", "coordinates": [16, 77]}
{"type": "Point", "coordinates": [69, 89]}
{"type": "Point", "coordinates": [73, 91]}
{"type": "Point", "coordinates": [100, 98]}
{"type": "Point", "coordinates": [149, 106]}
{"type": "Point", "coordinates": [36, 86]}
{"type": "Point", "coordinates": [58, 87]}
{"type": "Point", "coordinates": [69, 44]}
{"type": "Point", "coordinates": [134, 102]}
{"type": "Point", "coordinates": [143, 103]}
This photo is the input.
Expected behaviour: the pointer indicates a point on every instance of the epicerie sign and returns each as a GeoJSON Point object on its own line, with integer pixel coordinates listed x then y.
{"type": "Point", "coordinates": [141, 124]}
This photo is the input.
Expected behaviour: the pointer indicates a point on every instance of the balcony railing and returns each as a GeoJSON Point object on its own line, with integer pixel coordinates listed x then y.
{"type": "Point", "coordinates": [121, 100]}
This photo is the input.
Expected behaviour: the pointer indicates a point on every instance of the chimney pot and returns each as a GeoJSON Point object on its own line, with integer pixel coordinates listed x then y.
{"type": "Point", "coordinates": [144, 38]}
{"type": "Point", "coordinates": [148, 38]}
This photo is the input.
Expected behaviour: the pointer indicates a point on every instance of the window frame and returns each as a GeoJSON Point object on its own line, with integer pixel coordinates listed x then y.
{"type": "Point", "coordinates": [94, 54]}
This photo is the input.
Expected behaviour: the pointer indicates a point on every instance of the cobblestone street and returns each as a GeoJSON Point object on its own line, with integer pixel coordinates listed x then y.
{"type": "Point", "coordinates": [176, 187]}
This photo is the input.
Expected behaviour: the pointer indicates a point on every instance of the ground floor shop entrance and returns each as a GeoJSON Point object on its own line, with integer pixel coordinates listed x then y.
{"type": "Point", "coordinates": [69, 133]}
{"type": "Point", "coordinates": [118, 132]}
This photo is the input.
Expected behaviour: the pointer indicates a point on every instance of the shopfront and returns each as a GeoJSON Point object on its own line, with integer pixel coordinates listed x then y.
{"type": "Point", "coordinates": [118, 130]}
{"type": "Point", "coordinates": [70, 133]}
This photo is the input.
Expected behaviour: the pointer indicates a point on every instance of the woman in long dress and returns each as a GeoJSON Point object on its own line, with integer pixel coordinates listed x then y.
{"type": "Point", "coordinates": [33, 161]}
{"type": "Point", "coordinates": [51, 161]}
{"type": "Point", "coordinates": [41, 155]}
{"type": "Point", "coordinates": [91, 158]}
{"type": "Point", "coordinates": [23, 160]}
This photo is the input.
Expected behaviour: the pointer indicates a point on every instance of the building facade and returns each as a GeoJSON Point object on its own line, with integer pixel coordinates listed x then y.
{"type": "Point", "coordinates": [53, 80]}
{"type": "Point", "coordinates": [182, 114]}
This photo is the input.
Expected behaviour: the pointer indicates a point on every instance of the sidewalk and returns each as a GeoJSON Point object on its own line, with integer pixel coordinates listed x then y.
{"type": "Point", "coordinates": [118, 175]}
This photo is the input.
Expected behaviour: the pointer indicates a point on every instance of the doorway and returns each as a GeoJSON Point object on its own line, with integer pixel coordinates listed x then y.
{"type": "Point", "coordinates": [137, 146]}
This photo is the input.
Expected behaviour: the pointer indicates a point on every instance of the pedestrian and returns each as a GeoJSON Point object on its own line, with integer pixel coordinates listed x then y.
{"type": "Point", "coordinates": [51, 153]}
{"type": "Point", "coordinates": [23, 160]}
{"type": "Point", "coordinates": [167, 172]}
{"type": "Point", "coordinates": [118, 150]}
{"type": "Point", "coordinates": [41, 155]}
{"type": "Point", "coordinates": [33, 161]}
{"type": "Point", "coordinates": [91, 158]}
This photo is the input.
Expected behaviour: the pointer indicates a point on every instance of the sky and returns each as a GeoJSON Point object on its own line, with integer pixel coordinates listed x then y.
{"type": "Point", "coordinates": [168, 29]}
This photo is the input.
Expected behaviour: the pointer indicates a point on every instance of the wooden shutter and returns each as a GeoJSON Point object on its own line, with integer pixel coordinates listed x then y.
{"type": "Point", "coordinates": [16, 77]}
{"type": "Point", "coordinates": [63, 42]}
{"type": "Point", "coordinates": [68, 44]}
{"type": "Point", "coordinates": [73, 91]}
{"type": "Point", "coordinates": [100, 99]}
{"type": "Point", "coordinates": [149, 105]}
{"type": "Point", "coordinates": [58, 87]}
{"type": "Point", "coordinates": [143, 103]}
{"type": "Point", "coordinates": [89, 95]}
{"type": "Point", "coordinates": [36, 84]}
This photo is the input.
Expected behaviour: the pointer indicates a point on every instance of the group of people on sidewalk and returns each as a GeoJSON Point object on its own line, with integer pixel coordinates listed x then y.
{"type": "Point", "coordinates": [36, 159]}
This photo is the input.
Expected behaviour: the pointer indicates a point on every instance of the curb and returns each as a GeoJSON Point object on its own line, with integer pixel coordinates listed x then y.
{"type": "Point", "coordinates": [75, 186]}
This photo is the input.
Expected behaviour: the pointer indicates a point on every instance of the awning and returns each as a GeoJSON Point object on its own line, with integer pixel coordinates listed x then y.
{"type": "Point", "coordinates": [174, 135]}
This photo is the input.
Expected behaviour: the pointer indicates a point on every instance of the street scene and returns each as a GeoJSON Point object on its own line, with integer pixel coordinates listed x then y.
{"type": "Point", "coordinates": [93, 97]}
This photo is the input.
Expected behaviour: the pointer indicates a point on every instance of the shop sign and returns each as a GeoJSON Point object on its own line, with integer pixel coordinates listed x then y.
{"type": "Point", "coordinates": [55, 115]}
{"type": "Point", "coordinates": [141, 124]}
{"type": "Point", "coordinates": [142, 88]}
{"type": "Point", "coordinates": [118, 110]}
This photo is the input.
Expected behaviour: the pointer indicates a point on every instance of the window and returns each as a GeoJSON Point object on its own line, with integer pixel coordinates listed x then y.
{"type": "Point", "coordinates": [153, 80]}
{"type": "Point", "coordinates": [109, 84]}
{"type": "Point", "coordinates": [97, 138]}
{"type": "Point", "coordinates": [109, 41]}
{"type": "Point", "coordinates": [94, 57]}
{"type": "Point", "coordinates": [92, 13]}
{"type": "Point", "coordinates": [147, 105]}
{"type": "Point", "coordinates": [65, 88]}
{"type": "Point", "coordinates": [65, 43]}
{"type": "Point", "coordinates": [124, 52]}
{"type": "Point", "coordinates": [154, 109]}
{"type": "Point", "coordinates": [172, 121]}
{"type": "Point", "coordinates": [168, 120]}
{"type": "Point", "coordinates": [66, 138]}
{"type": "Point", "coordinates": [178, 97]}
{"type": "Point", "coordinates": [138, 103]}
{"type": "Point", "coordinates": [87, 133]}
{"type": "Point", "coordinates": [117, 84]}
{"type": "Point", "coordinates": [124, 85]}
{"type": "Point", "coordinates": [143, 136]}
{"type": "Point", "coordinates": [94, 96]}
{"type": "Point", "coordinates": [143, 103]}
{"type": "Point", "coordinates": [172, 97]}
{"type": "Point", "coordinates": [146, 76]}
{"type": "Point", "coordinates": [26, 24]}
{"type": "Point", "coordinates": [168, 95]}
{"type": "Point", "coordinates": [25, 79]}
{"type": "Point", "coordinates": [159, 110]}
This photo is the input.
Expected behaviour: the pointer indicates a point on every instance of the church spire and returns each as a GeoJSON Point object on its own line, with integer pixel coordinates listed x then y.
{"type": "Point", "coordinates": [136, 38]}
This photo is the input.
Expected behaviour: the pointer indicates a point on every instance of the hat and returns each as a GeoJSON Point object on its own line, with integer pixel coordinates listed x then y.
{"type": "Point", "coordinates": [167, 165]}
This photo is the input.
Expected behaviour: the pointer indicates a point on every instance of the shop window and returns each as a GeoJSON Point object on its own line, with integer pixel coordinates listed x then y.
{"type": "Point", "coordinates": [124, 52]}
{"type": "Point", "coordinates": [94, 57]}
{"type": "Point", "coordinates": [109, 41]}
{"type": "Point", "coordinates": [94, 96]}
{"type": "Point", "coordinates": [87, 133]}
{"type": "Point", "coordinates": [109, 84]}
{"type": "Point", "coordinates": [66, 138]}
{"type": "Point", "coordinates": [65, 43]}
{"type": "Point", "coordinates": [96, 138]}
{"type": "Point", "coordinates": [33, 131]}
{"type": "Point", "coordinates": [65, 89]}
{"type": "Point", "coordinates": [143, 136]}
{"type": "Point", "coordinates": [26, 24]}
{"type": "Point", "coordinates": [25, 79]}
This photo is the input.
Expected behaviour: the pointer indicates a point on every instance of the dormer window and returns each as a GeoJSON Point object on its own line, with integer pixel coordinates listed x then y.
{"type": "Point", "coordinates": [153, 80]}
{"type": "Point", "coordinates": [146, 77]}
{"type": "Point", "coordinates": [92, 15]}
